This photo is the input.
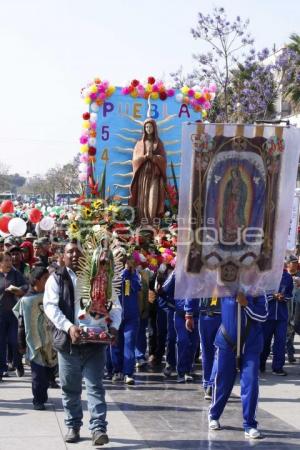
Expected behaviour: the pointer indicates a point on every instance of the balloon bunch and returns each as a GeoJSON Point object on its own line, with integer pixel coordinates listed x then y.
{"type": "Point", "coordinates": [10, 223]}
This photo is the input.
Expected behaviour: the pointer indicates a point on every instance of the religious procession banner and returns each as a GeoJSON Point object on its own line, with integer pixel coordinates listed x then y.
{"type": "Point", "coordinates": [236, 196]}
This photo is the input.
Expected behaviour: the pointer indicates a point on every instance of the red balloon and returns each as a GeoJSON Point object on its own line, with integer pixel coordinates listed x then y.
{"type": "Point", "coordinates": [4, 220]}
{"type": "Point", "coordinates": [35, 215]}
{"type": "Point", "coordinates": [7, 206]}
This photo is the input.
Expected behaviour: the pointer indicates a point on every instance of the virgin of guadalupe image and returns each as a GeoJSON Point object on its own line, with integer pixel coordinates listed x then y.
{"type": "Point", "coordinates": [101, 280]}
{"type": "Point", "coordinates": [235, 198]}
{"type": "Point", "coordinates": [149, 175]}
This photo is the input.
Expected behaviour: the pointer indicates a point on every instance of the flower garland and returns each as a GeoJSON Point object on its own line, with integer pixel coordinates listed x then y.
{"type": "Point", "coordinates": [94, 94]}
{"type": "Point", "coordinates": [157, 89]}
{"type": "Point", "coordinates": [200, 99]}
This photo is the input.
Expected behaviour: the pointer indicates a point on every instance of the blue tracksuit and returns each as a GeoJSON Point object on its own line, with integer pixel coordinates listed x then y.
{"type": "Point", "coordinates": [225, 362]}
{"type": "Point", "coordinates": [166, 302]}
{"type": "Point", "coordinates": [187, 342]}
{"type": "Point", "coordinates": [123, 354]}
{"type": "Point", "coordinates": [209, 323]}
{"type": "Point", "coordinates": [276, 324]}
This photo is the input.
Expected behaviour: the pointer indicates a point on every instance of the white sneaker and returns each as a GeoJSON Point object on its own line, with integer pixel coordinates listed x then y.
{"type": "Point", "coordinates": [129, 380]}
{"type": "Point", "coordinates": [253, 433]}
{"type": "Point", "coordinates": [117, 377]}
{"type": "Point", "coordinates": [214, 424]}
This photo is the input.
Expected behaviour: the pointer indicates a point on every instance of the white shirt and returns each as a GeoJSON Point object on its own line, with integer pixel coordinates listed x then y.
{"type": "Point", "coordinates": [57, 317]}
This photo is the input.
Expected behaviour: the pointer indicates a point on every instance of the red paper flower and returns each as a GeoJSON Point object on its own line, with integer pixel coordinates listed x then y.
{"type": "Point", "coordinates": [86, 116]}
{"type": "Point", "coordinates": [162, 95]}
{"type": "Point", "coordinates": [130, 89]}
{"type": "Point", "coordinates": [135, 83]}
{"type": "Point", "coordinates": [92, 151]}
{"type": "Point", "coordinates": [151, 80]}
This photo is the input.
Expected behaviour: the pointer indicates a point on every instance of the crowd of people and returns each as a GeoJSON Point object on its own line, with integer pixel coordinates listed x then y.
{"type": "Point", "coordinates": [151, 329]}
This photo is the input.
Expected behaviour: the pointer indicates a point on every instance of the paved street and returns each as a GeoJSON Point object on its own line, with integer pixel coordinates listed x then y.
{"type": "Point", "coordinates": [156, 414]}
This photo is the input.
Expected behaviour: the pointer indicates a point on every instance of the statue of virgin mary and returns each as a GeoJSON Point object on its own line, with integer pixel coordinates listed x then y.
{"type": "Point", "coordinates": [149, 175]}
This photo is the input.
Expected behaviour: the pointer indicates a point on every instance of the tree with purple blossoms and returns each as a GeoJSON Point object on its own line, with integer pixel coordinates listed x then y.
{"type": "Point", "coordinates": [261, 80]}
{"type": "Point", "coordinates": [249, 82]}
{"type": "Point", "coordinates": [227, 41]}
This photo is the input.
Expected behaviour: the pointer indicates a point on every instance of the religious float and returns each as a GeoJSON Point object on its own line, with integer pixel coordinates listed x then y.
{"type": "Point", "coordinates": [129, 169]}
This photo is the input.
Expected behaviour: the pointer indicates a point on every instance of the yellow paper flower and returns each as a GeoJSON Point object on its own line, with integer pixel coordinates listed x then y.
{"type": "Point", "coordinates": [153, 262]}
{"type": "Point", "coordinates": [185, 90]}
{"type": "Point", "coordinates": [84, 148]}
{"type": "Point", "coordinates": [111, 90]}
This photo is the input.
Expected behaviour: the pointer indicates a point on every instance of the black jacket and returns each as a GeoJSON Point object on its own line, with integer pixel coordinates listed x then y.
{"type": "Point", "coordinates": [8, 299]}
{"type": "Point", "coordinates": [61, 339]}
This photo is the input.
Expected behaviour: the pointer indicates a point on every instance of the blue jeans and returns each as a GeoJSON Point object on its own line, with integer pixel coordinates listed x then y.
{"type": "Point", "coordinates": [123, 354]}
{"type": "Point", "coordinates": [88, 362]}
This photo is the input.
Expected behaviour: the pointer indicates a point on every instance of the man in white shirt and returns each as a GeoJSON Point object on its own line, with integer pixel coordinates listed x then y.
{"type": "Point", "coordinates": [61, 304]}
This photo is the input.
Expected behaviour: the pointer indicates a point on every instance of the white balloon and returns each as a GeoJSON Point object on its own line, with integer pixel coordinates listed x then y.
{"type": "Point", "coordinates": [47, 223]}
{"type": "Point", "coordinates": [17, 227]}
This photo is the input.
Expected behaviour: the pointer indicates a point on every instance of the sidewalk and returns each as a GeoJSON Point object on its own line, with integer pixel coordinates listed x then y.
{"type": "Point", "coordinates": [155, 414]}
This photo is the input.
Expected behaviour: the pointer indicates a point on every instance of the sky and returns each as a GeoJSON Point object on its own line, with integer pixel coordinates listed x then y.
{"type": "Point", "coordinates": [50, 49]}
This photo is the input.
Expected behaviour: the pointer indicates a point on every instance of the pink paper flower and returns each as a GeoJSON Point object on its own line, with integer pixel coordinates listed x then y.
{"type": "Point", "coordinates": [83, 139]}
